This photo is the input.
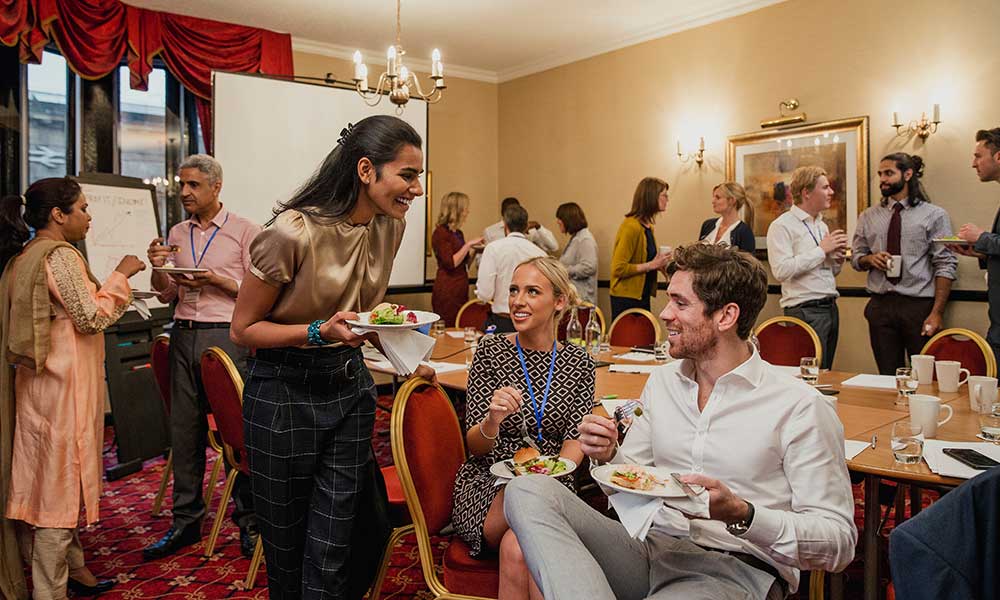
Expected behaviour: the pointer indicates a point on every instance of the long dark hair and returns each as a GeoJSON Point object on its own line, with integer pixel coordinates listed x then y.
{"type": "Point", "coordinates": [38, 201]}
{"type": "Point", "coordinates": [905, 162]}
{"type": "Point", "coordinates": [332, 191]}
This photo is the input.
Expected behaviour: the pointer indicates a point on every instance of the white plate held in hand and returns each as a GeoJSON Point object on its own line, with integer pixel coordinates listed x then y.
{"type": "Point", "coordinates": [665, 489]}
{"type": "Point", "coordinates": [423, 318]}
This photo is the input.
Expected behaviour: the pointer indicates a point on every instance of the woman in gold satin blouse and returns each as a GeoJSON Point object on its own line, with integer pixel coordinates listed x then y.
{"type": "Point", "coordinates": [309, 400]}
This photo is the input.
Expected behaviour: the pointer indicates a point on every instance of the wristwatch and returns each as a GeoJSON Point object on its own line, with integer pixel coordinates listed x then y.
{"type": "Point", "coordinates": [741, 527]}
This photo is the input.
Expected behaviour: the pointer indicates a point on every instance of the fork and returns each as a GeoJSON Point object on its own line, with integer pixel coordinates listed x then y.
{"type": "Point", "coordinates": [524, 423]}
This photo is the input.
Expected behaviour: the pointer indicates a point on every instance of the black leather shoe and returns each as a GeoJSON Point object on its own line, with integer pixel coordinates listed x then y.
{"type": "Point", "coordinates": [172, 541]}
{"type": "Point", "coordinates": [81, 589]}
{"type": "Point", "coordinates": [248, 540]}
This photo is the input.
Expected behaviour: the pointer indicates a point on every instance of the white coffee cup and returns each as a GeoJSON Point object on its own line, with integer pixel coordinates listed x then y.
{"type": "Point", "coordinates": [925, 411]}
{"type": "Point", "coordinates": [895, 266]}
{"type": "Point", "coordinates": [923, 366]}
{"type": "Point", "coordinates": [666, 249]}
{"type": "Point", "coordinates": [949, 375]}
{"type": "Point", "coordinates": [982, 393]}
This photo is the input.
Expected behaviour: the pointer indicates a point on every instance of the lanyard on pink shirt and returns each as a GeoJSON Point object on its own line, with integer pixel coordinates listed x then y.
{"type": "Point", "coordinates": [197, 261]}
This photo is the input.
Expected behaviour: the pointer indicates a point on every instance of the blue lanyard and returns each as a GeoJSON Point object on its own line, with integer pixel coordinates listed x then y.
{"type": "Point", "coordinates": [539, 410]}
{"type": "Point", "coordinates": [197, 261]}
{"type": "Point", "coordinates": [810, 232]}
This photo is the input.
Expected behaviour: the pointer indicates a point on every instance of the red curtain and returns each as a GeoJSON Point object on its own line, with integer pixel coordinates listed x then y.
{"type": "Point", "coordinates": [94, 35]}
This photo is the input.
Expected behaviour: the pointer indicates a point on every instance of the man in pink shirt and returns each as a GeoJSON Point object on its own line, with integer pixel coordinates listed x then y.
{"type": "Point", "coordinates": [218, 241]}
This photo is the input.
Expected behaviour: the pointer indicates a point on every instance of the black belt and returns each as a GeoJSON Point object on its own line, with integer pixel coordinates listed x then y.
{"type": "Point", "coordinates": [756, 563]}
{"type": "Point", "coordinates": [828, 301]}
{"type": "Point", "coordinates": [188, 324]}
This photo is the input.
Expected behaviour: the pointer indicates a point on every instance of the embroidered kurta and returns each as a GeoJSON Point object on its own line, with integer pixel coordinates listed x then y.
{"type": "Point", "coordinates": [56, 463]}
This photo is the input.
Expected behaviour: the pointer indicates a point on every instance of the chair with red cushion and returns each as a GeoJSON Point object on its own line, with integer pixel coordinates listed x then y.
{"type": "Point", "coordinates": [428, 449]}
{"type": "Point", "coordinates": [583, 313]}
{"type": "Point", "coordinates": [400, 518]}
{"type": "Point", "coordinates": [635, 327]}
{"type": "Point", "coordinates": [224, 390]}
{"type": "Point", "coordinates": [965, 346]}
{"type": "Point", "coordinates": [473, 314]}
{"type": "Point", "coordinates": [786, 340]}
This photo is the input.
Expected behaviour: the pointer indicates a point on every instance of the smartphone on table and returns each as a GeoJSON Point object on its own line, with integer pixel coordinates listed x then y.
{"type": "Point", "coordinates": [971, 458]}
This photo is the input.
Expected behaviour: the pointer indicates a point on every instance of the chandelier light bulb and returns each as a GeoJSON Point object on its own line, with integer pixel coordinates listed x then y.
{"type": "Point", "coordinates": [357, 57]}
{"type": "Point", "coordinates": [404, 73]}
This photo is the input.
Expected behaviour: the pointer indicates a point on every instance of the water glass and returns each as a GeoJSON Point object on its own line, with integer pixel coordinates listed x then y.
{"type": "Point", "coordinates": [906, 385]}
{"type": "Point", "coordinates": [809, 369]}
{"type": "Point", "coordinates": [662, 351]}
{"type": "Point", "coordinates": [438, 328]}
{"type": "Point", "coordinates": [470, 335]}
{"type": "Point", "coordinates": [989, 423]}
{"type": "Point", "coordinates": [605, 344]}
{"type": "Point", "coordinates": [907, 442]}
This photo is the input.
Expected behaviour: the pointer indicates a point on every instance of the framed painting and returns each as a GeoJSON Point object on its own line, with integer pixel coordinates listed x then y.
{"type": "Point", "coordinates": [763, 162]}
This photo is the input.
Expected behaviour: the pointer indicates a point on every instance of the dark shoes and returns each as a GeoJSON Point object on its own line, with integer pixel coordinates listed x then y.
{"type": "Point", "coordinates": [172, 541]}
{"type": "Point", "coordinates": [248, 540]}
{"type": "Point", "coordinates": [80, 589]}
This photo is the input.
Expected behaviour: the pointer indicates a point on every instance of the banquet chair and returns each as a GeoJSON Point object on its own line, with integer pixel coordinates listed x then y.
{"type": "Point", "coordinates": [965, 346]}
{"type": "Point", "coordinates": [583, 311]}
{"type": "Point", "coordinates": [635, 327]}
{"type": "Point", "coordinates": [160, 361]}
{"type": "Point", "coordinates": [224, 390]}
{"type": "Point", "coordinates": [401, 525]}
{"type": "Point", "coordinates": [473, 314]}
{"type": "Point", "coordinates": [786, 340]}
{"type": "Point", "coordinates": [428, 449]}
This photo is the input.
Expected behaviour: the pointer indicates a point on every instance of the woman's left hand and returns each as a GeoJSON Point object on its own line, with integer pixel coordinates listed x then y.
{"type": "Point", "coordinates": [427, 373]}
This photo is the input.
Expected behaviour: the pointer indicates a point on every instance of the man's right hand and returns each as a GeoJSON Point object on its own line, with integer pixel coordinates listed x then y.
{"type": "Point", "coordinates": [879, 260]}
{"type": "Point", "coordinates": [598, 437]}
{"type": "Point", "coordinates": [157, 253]}
{"type": "Point", "coordinates": [833, 241]}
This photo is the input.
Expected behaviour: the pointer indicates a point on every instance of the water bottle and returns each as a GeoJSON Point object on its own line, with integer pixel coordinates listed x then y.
{"type": "Point", "coordinates": [593, 334]}
{"type": "Point", "coordinates": [574, 331]}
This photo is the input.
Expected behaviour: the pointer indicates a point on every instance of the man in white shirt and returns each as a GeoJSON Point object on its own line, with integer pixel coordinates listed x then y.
{"type": "Point", "coordinates": [534, 231]}
{"type": "Point", "coordinates": [497, 267]}
{"type": "Point", "coordinates": [768, 448]}
{"type": "Point", "coordinates": [805, 256]}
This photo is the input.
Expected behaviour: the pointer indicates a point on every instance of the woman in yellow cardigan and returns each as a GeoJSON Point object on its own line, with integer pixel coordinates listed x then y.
{"type": "Point", "coordinates": [635, 259]}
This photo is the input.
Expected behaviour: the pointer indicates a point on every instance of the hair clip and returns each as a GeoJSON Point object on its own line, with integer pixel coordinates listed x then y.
{"type": "Point", "coordinates": [344, 133]}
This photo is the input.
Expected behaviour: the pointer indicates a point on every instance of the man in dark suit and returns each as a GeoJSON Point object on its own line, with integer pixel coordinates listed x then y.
{"type": "Point", "coordinates": [986, 244]}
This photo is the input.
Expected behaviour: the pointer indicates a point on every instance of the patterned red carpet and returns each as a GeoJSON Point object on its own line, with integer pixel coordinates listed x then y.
{"type": "Point", "coordinates": [114, 546]}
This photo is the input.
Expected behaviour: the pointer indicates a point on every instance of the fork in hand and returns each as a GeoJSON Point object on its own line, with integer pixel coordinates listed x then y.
{"type": "Point", "coordinates": [525, 435]}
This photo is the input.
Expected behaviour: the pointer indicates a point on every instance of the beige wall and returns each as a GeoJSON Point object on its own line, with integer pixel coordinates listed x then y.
{"type": "Point", "coordinates": [588, 131]}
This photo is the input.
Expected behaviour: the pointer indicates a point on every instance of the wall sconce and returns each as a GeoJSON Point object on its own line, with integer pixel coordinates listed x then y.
{"type": "Point", "coordinates": [698, 157]}
{"type": "Point", "coordinates": [922, 128]}
{"type": "Point", "coordinates": [783, 119]}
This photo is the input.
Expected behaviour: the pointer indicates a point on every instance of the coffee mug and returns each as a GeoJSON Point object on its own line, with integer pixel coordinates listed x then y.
{"type": "Point", "coordinates": [948, 375]}
{"type": "Point", "coordinates": [925, 410]}
{"type": "Point", "coordinates": [982, 393]}
{"type": "Point", "coordinates": [665, 249]}
{"type": "Point", "coordinates": [923, 366]}
{"type": "Point", "coordinates": [895, 266]}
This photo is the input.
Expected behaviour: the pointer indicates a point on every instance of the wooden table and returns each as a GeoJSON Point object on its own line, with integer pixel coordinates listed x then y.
{"type": "Point", "coordinates": [862, 411]}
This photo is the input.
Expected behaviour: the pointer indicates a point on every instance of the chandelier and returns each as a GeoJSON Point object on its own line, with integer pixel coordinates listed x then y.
{"type": "Point", "coordinates": [397, 81]}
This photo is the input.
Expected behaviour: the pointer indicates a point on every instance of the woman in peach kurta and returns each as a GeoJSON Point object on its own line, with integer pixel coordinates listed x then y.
{"type": "Point", "coordinates": [52, 384]}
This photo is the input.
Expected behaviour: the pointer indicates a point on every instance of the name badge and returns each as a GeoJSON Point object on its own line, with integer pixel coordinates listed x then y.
{"type": "Point", "coordinates": [191, 295]}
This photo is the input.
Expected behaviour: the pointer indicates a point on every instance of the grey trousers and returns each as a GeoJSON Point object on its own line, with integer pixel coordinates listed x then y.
{"type": "Point", "coordinates": [189, 426]}
{"type": "Point", "coordinates": [575, 552]}
{"type": "Point", "coordinates": [825, 320]}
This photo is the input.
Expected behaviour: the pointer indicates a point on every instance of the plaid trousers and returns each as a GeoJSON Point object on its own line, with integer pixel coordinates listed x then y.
{"type": "Point", "coordinates": [308, 416]}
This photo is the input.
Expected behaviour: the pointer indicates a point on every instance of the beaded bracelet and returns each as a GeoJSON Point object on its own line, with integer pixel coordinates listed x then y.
{"type": "Point", "coordinates": [483, 433]}
{"type": "Point", "coordinates": [313, 336]}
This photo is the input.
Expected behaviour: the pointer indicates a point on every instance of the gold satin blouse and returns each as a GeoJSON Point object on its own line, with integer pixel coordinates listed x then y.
{"type": "Point", "coordinates": [324, 268]}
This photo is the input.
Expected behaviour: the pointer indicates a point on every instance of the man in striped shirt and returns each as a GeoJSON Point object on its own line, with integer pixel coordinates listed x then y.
{"type": "Point", "coordinates": [909, 277]}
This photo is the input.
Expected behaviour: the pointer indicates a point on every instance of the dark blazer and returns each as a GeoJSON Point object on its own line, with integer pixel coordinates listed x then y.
{"type": "Point", "coordinates": [741, 237]}
{"type": "Point", "coordinates": [989, 244]}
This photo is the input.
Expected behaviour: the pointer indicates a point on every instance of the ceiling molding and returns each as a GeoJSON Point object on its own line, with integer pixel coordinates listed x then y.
{"type": "Point", "coordinates": [415, 64]}
{"type": "Point", "coordinates": [657, 31]}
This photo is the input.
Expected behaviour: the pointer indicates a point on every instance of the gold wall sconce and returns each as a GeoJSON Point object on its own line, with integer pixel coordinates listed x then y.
{"type": "Point", "coordinates": [922, 128]}
{"type": "Point", "coordinates": [698, 157]}
{"type": "Point", "coordinates": [785, 119]}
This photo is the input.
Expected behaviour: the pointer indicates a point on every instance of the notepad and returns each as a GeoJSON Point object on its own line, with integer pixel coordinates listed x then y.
{"type": "Point", "coordinates": [852, 448]}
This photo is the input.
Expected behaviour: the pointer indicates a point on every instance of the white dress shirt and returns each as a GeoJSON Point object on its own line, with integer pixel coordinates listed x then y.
{"type": "Point", "coordinates": [798, 261]}
{"type": "Point", "coordinates": [726, 234]}
{"type": "Point", "coordinates": [497, 268]}
{"type": "Point", "coordinates": [541, 237]}
{"type": "Point", "coordinates": [770, 438]}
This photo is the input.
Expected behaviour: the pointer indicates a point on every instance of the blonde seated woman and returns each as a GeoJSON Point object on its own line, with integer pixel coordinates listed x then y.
{"type": "Point", "coordinates": [526, 378]}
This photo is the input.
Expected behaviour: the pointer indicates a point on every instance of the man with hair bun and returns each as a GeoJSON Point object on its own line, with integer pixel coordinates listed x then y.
{"type": "Point", "coordinates": [909, 277]}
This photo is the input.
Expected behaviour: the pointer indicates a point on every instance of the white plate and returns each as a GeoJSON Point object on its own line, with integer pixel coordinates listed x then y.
{"type": "Point", "coordinates": [669, 489]}
{"type": "Point", "coordinates": [501, 471]}
{"type": "Point", "coordinates": [423, 318]}
{"type": "Point", "coordinates": [179, 270]}
{"type": "Point", "coordinates": [949, 241]}
{"type": "Point", "coordinates": [143, 295]}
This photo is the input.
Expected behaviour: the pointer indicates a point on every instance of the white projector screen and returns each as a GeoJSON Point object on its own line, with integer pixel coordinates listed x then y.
{"type": "Point", "coordinates": [272, 134]}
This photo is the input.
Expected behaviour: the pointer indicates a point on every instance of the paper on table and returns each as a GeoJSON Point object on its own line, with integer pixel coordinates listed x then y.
{"type": "Point", "coordinates": [882, 382]}
{"type": "Point", "coordinates": [456, 334]}
{"type": "Point", "coordinates": [852, 448]}
{"type": "Point", "coordinates": [636, 356]}
{"type": "Point", "coordinates": [439, 367]}
{"type": "Point", "coordinates": [946, 466]}
{"type": "Point", "coordinates": [632, 368]}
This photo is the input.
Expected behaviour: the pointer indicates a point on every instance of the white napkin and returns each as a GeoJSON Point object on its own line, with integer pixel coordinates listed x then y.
{"type": "Point", "coordinates": [405, 348]}
{"type": "Point", "coordinates": [456, 334]}
{"type": "Point", "coordinates": [637, 512]}
{"type": "Point", "coordinates": [632, 368]}
{"type": "Point", "coordinates": [636, 356]}
{"type": "Point", "coordinates": [852, 448]}
{"type": "Point", "coordinates": [946, 466]}
{"type": "Point", "coordinates": [439, 367]}
{"type": "Point", "coordinates": [142, 308]}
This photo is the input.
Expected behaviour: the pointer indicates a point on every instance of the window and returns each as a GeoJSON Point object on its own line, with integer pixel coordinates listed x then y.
{"type": "Point", "coordinates": [142, 126]}
{"type": "Point", "coordinates": [48, 118]}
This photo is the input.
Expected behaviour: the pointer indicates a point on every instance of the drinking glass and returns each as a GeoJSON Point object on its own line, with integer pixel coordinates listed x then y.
{"type": "Point", "coordinates": [906, 385]}
{"type": "Point", "coordinates": [989, 423]}
{"type": "Point", "coordinates": [605, 344]}
{"type": "Point", "coordinates": [470, 335]}
{"type": "Point", "coordinates": [907, 442]}
{"type": "Point", "coordinates": [438, 328]}
{"type": "Point", "coordinates": [809, 369]}
{"type": "Point", "coordinates": [662, 351]}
